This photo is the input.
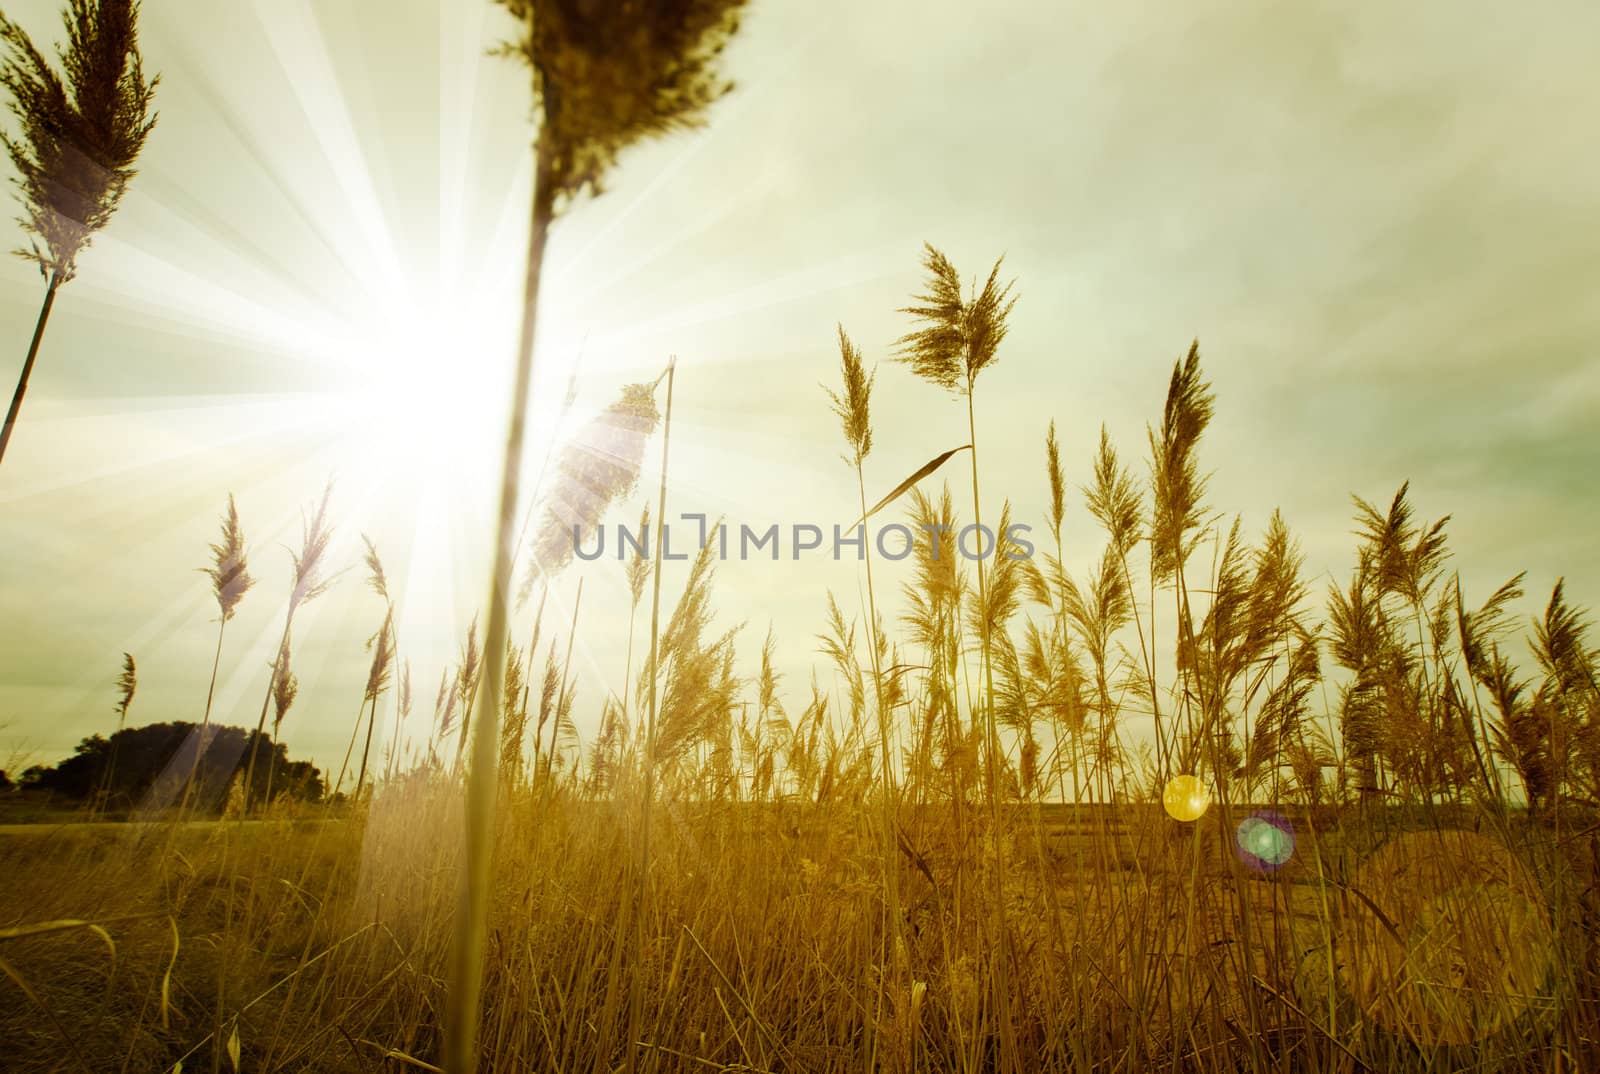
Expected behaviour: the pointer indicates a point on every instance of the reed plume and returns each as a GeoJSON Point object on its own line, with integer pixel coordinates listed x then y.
{"type": "Point", "coordinates": [958, 337]}
{"type": "Point", "coordinates": [933, 615]}
{"type": "Point", "coordinates": [127, 683]}
{"type": "Point", "coordinates": [308, 581]}
{"type": "Point", "coordinates": [402, 710]}
{"type": "Point", "coordinates": [378, 677]}
{"type": "Point", "coordinates": [1058, 484]}
{"type": "Point", "coordinates": [1568, 695]}
{"type": "Point", "coordinates": [514, 720]}
{"type": "Point", "coordinates": [852, 405]}
{"type": "Point", "coordinates": [444, 714]}
{"type": "Point", "coordinates": [549, 708]}
{"type": "Point", "coordinates": [563, 696]}
{"type": "Point", "coordinates": [230, 581]}
{"type": "Point", "coordinates": [469, 674]}
{"type": "Point", "coordinates": [637, 572]}
{"type": "Point", "coordinates": [1176, 481]}
{"type": "Point", "coordinates": [81, 130]}
{"type": "Point", "coordinates": [285, 689]}
{"type": "Point", "coordinates": [603, 77]}
{"type": "Point", "coordinates": [384, 646]}
{"type": "Point", "coordinates": [698, 690]}
{"type": "Point", "coordinates": [284, 694]}
{"type": "Point", "coordinates": [772, 731]}
{"type": "Point", "coordinates": [1177, 517]}
{"type": "Point", "coordinates": [598, 467]}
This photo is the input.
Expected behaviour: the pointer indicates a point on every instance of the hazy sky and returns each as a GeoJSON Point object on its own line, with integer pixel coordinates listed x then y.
{"type": "Point", "coordinates": [1377, 219]}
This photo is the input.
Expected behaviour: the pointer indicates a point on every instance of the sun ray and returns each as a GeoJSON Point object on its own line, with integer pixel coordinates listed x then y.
{"type": "Point", "coordinates": [298, 44]}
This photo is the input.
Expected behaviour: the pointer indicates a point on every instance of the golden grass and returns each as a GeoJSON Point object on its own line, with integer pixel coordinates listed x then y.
{"type": "Point", "coordinates": [933, 871]}
{"type": "Point", "coordinates": [324, 943]}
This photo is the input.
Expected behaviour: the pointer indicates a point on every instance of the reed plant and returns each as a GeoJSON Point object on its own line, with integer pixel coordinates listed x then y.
{"type": "Point", "coordinates": [402, 710]}
{"type": "Point", "coordinates": [127, 684]}
{"type": "Point", "coordinates": [958, 336]}
{"type": "Point", "coordinates": [308, 580]}
{"type": "Point", "coordinates": [81, 131]}
{"type": "Point", "coordinates": [284, 692]}
{"type": "Point", "coordinates": [384, 646]}
{"type": "Point", "coordinates": [230, 581]}
{"type": "Point", "coordinates": [603, 77]}
{"type": "Point", "coordinates": [563, 698]}
{"type": "Point", "coordinates": [721, 894]}
{"type": "Point", "coordinates": [852, 405]}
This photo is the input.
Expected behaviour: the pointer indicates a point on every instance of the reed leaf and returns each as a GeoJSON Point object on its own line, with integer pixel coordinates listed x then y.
{"type": "Point", "coordinates": [900, 490]}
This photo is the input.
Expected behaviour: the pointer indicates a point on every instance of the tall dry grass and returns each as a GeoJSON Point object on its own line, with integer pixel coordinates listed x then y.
{"type": "Point", "coordinates": [872, 876]}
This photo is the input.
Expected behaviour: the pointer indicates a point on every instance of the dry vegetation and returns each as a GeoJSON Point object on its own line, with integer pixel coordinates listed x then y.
{"type": "Point", "coordinates": [958, 860]}
{"type": "Point", "coordinates": [806, 908]}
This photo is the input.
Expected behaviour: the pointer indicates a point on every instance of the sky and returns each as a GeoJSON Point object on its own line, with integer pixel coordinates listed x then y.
{"type": "Point", "coordinates": [1376, 220]}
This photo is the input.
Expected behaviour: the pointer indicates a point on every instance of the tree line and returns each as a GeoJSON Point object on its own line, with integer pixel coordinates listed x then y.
{"type": "Point", "coordinates": [142, 767]}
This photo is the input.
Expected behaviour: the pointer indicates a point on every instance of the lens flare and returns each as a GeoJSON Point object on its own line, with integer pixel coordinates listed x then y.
{"type": "Point", "coordinates": [1265, 841]}
{"type": "Point", "coordinates": [1185, 798]}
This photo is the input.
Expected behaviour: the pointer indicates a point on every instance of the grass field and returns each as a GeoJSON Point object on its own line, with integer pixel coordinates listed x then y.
{"type": "Point", "coordinates": [1010, 839]}
{"type": "Point", "coordinates": [1132, 943]}
{"type": "Point", "coordinates": [1143, 793]}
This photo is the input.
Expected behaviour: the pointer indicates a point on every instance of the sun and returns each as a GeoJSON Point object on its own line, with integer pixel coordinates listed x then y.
{"type": "Point", "coordinates": [420, 396]}
{"type": "Point", "coordinates": [434, 393]}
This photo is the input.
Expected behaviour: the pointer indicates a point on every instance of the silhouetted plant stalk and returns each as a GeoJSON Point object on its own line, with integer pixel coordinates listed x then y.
{"type": "Point", "coordinates": [402, 710]}
{"type": "Point", "coordinates": [80, 132]}
{"type": "Point", "coordinates": [940, 746]}
{"type": "Point", "coordinates": [444, 714]}
{"type": "Point", "coordinates": [852, 405]}
{"type": "Point", "coordinates": [469, 676]}
{"type": "Point", "coordinates": [127, 683]}
{"type": "Point", "coordinates": [1113, 499]}
{"type": "Point", "coordinates": [307, 583]}
{"type": "Point", "coordinates": [603, 77]}
{"type": "Point", "coordinates": [637, 571]}
{"type": "Point", "coordinates": [514, 720]}
{"type": "Point", "coordinates": [285, 689]}
{"type": "Point", "coordinates": [597, 467]}
{"type": "Point", "coordinates": [384, 647]}
{"type": "Point", "coordinates": [1177, 494]}
{"type": "Point", "coordinates": [635, 984]}
{"type": "Point", "coordinates": [526, 674]}
{"type": "Point", "coordinates": [563, 712]}
{"type": "Point", "coordinates": [355, 732]}
{"type": "Point", "coordinates": [549, 702]}
{"type": "Point", "coordinates": [230, 581]}
{"type": "Point", "coordinates": [958, 339]}
{"type": "Point", "coordinates": [378, 676]}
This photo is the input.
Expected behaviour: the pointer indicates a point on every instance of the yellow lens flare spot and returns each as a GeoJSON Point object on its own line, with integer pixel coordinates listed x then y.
{"type": "Point", "coordinates": [1185, 798]}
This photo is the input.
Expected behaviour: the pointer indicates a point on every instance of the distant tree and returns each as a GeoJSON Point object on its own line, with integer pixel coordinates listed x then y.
{"type": "Point", "coordinates": [81, 131]}
{"type": "Point", "coordinates": [144, 754]}
{"type": "Point", "coordinates": [5, 782]}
